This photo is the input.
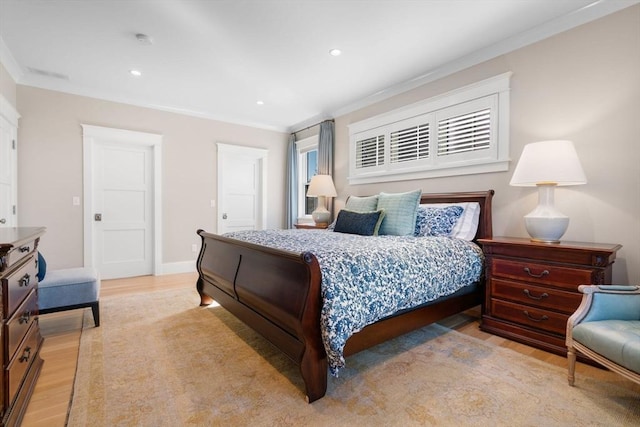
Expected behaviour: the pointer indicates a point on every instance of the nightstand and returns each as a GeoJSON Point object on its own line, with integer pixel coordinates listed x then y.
{"type": "Point", "coordinates": [532, 288]}
{"type": "Point", "coordinates": [320, 225]}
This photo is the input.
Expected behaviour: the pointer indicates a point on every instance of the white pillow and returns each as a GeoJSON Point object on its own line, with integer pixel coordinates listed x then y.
{"type": "Point", "coordinates": [467, 225]}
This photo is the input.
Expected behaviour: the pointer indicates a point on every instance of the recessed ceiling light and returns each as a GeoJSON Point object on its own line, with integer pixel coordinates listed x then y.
{"type": "Point", "coordinates": [136, 73]}
{"type": "Point", "coordinates": [260, 102]}
{"type": "Point", "coordinates": [335, 52]}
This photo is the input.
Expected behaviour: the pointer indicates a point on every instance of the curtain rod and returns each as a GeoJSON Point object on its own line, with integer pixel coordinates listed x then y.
{"type": "Point", "coordinates": [309, 127]}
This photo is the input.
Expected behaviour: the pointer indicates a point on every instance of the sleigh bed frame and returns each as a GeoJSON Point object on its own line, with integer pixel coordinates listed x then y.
{"type": "Point", "coordinates": [277, 293]}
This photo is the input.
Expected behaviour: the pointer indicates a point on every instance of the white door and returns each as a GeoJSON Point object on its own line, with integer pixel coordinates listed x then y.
{"type": "Point", "coordinates": [121, 207]}
{"type": "Point", "coordinates": [241, 188]}
{"type": "Point", "coordinates": [8, 164]}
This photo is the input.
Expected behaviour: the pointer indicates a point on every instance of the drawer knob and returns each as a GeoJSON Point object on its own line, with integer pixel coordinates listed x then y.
{"type": "Point", "coordinates": [542, 296]}
{"type": "Point", "coordinates": [24, 281]}
{"type": "Point", "coordinates": [528, 271]}
{"type": "Point", "coordinates": [25, 249]}
{"type": "Point", "coordinates": [543, 318]}
{"type": "Point", "coordinates": [25, 317]}
{"type": "Point", "coordinates": [26, 355]}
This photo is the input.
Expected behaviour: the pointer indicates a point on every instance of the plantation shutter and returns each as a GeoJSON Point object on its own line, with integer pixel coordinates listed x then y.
{"type": "Point", "coordinates": [409, 144]}
{"type": "Point", "coordinates": [370, 152]}
{"type": "Point", "coordinates": [464, 133]}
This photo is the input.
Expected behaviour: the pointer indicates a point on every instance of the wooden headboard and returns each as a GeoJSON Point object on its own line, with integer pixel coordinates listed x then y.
{"type": "Point", "coordinates": [485, 224]}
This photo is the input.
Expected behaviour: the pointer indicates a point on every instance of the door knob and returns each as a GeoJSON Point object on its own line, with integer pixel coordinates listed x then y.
{"type": "Point", "coordinates": [2, 220]}
{"type": "Point", "coordinates": [97, 217]}
{"type": "Point", "coordinates": [224, 216]}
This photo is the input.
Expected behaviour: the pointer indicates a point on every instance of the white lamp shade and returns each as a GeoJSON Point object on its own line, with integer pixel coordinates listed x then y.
{"type": "Point", "coordinates": [321, 185]}
{"type": "Point", "coordinates": [548, 162]}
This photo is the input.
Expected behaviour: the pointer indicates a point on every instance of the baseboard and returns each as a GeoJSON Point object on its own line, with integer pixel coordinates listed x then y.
{"type": "Point", "coordinates": [179, 267]}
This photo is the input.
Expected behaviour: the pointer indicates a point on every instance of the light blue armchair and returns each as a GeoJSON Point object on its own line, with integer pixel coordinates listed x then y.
{"type": "Point", "coordinates": [606, 328]}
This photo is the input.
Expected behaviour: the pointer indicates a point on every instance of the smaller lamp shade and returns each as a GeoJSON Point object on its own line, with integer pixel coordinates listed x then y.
{"type": "Point", "coordinates": [549, 162]}
{"type": "Point", "coordinates": [321, 186]}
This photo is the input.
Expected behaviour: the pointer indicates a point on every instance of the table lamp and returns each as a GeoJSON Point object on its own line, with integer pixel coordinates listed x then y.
{"type": "Point", "coordinates": [321, 186]}
{"type": "Point", "coordinates": [546, 165]}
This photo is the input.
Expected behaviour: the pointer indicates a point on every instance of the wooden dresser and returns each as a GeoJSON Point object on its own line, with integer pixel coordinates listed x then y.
{"type": "Point", "coordinates": [20, 332]}
{"type": "Point", "coordinates": [532, 288]}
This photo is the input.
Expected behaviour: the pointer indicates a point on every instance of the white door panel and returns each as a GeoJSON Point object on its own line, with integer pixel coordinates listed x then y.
{"type": "Point", "coordinates": [8, 173]}
{"type": "Point", "coordinates": [123, 198]}
{"type": "Point", "coordinates": [241, 184]}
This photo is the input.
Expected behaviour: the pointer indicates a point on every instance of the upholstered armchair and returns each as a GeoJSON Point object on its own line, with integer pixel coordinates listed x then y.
{"type": "Point", "coordinates": [606, 328]}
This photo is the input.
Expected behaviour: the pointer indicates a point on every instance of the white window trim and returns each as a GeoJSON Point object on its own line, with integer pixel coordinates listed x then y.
{"type": "Point", "coordinates": [303, 146]}
{"type": "Point", "coordinates": [497, 85]}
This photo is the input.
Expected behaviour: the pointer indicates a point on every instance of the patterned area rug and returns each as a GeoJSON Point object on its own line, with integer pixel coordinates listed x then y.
{"type": "Point", "coordinates": [160, 360]}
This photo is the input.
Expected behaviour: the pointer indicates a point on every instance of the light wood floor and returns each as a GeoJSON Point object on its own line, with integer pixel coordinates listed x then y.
{"type": "Point", "coordinates": [50, 402]}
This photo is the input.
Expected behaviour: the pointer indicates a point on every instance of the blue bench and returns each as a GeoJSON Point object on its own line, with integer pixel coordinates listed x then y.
{"type": "Point", "coordinates": [70, 289]}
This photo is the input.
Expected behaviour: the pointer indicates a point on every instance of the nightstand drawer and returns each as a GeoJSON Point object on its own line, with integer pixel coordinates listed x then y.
{"type": "Point", "coordinates": [538, 296]}
{"type": "Point", "coordinates": [548, 274]}
{"type": "Point", "coordinates": [534, 317]}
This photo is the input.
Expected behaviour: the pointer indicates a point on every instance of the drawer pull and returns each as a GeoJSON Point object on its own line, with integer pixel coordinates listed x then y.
{"type": "Point", "coordinates": [26, 355]}
{"type": "Point", "coordinates": [24, 281]}
{"type": "Point", "coordinates": [544, 273]}
{"type": "Point", "coordinates": [543, 318]}
{"type": "Point", "coordinates": [24, 249]}
{"type": "Point", "coordinates": [25, 317]}
{"type": "Point", "coordinates": [542, 296]}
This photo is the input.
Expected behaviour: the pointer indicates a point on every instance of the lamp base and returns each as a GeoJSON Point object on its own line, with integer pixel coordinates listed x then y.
{"type": "Point", "coordinates": [321, 215]}
{"type": "Point", "coordinates": [545, 223]}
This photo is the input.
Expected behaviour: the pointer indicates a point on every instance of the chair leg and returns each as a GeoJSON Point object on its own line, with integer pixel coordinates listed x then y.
{"type": "Point", "coordinates": [95, 308]}
{"type": "Point", "coordinates": [571, 358]}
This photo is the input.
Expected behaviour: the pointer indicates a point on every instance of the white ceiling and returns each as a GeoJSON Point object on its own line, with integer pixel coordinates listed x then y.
{"type": "Point", "coordinates": [216, 58]}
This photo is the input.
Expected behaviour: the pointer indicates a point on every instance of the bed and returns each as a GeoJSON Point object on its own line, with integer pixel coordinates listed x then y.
{"type": "Point", "coordinates": [279, 292]}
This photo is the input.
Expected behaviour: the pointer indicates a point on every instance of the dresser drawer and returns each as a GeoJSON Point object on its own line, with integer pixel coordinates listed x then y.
{"type": "Point", "coordinates": [20, 322]}
{"type": "Point", "coordinates": [20, 363]}
{"type": "Point", "coordinates": [548, 274]}
{"type": "Point", "coordinates": [19, 252]}
{"type": "Point", "coordinates": [539, 296]}
{"type": "Point", "coordinates": [19, 284]}
{"type": "Point", "coordinates": [530, 316]}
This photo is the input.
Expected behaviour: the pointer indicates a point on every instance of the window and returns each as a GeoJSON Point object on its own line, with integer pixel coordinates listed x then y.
{"type": "Point", "coordinates": [461, 132]}
{"type": "Point", "coordinates": [307, 167]}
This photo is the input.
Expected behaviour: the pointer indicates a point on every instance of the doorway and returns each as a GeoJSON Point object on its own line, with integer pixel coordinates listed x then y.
{"type": "Point", "coordinates": [122, 206]}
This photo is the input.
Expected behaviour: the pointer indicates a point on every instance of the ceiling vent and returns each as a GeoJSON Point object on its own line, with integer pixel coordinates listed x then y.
{"type": "Point", "coordinates": [45, 73]}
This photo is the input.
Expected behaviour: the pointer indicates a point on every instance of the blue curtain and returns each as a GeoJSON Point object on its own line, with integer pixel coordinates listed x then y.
{"type": "Point", "coordinates": [292, 183]}
{"type": "Point", "coordinates": [325, 155]}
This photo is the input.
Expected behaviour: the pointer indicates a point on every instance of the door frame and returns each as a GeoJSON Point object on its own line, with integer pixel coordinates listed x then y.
{"type": "Point", "coordinates": [93, 135]}
{"type": "Point", "coordinates": [259, 154]}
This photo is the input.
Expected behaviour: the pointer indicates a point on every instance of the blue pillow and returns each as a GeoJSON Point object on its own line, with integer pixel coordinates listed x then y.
{"type": "Point", "coordinates": [42, 267]}
{"type": "Point", "coordinates": [362, 223]}
{"type": "Point", "coordinates": [436, 221]}
{"type": "Point", "coordinates": [399, 212]}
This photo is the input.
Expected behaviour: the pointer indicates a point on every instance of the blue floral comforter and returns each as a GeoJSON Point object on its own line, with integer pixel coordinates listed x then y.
{"type": "Point", "coordinates": [366, 278]}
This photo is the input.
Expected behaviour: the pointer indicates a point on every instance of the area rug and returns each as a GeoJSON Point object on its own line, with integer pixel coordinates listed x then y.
{"type": "Point", "coordinates": [160, 360]}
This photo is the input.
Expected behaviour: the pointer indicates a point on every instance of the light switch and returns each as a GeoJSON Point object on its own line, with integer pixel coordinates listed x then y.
{"type": "Point", "coordinates": [76, 201]}
{"type": "Point", "coordinates": [213, 203]}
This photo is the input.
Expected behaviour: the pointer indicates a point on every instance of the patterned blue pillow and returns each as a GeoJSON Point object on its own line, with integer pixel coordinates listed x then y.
{"type": "Point", "coordinates": [399, 212]}
{"type": "Point", "coordinates": [362, 223]}
{"type": "Point", "coordinates": [436, 221]}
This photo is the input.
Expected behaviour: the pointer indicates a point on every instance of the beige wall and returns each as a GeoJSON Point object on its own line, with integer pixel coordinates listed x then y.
{"type": "Point", "coordinates": [50, 169]}
{"type": "Point", "coordinates": [582, 85]}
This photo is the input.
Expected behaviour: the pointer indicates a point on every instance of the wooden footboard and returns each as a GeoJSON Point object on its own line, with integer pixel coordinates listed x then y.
{"type": "Point", "coordinates": [277, 293]}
